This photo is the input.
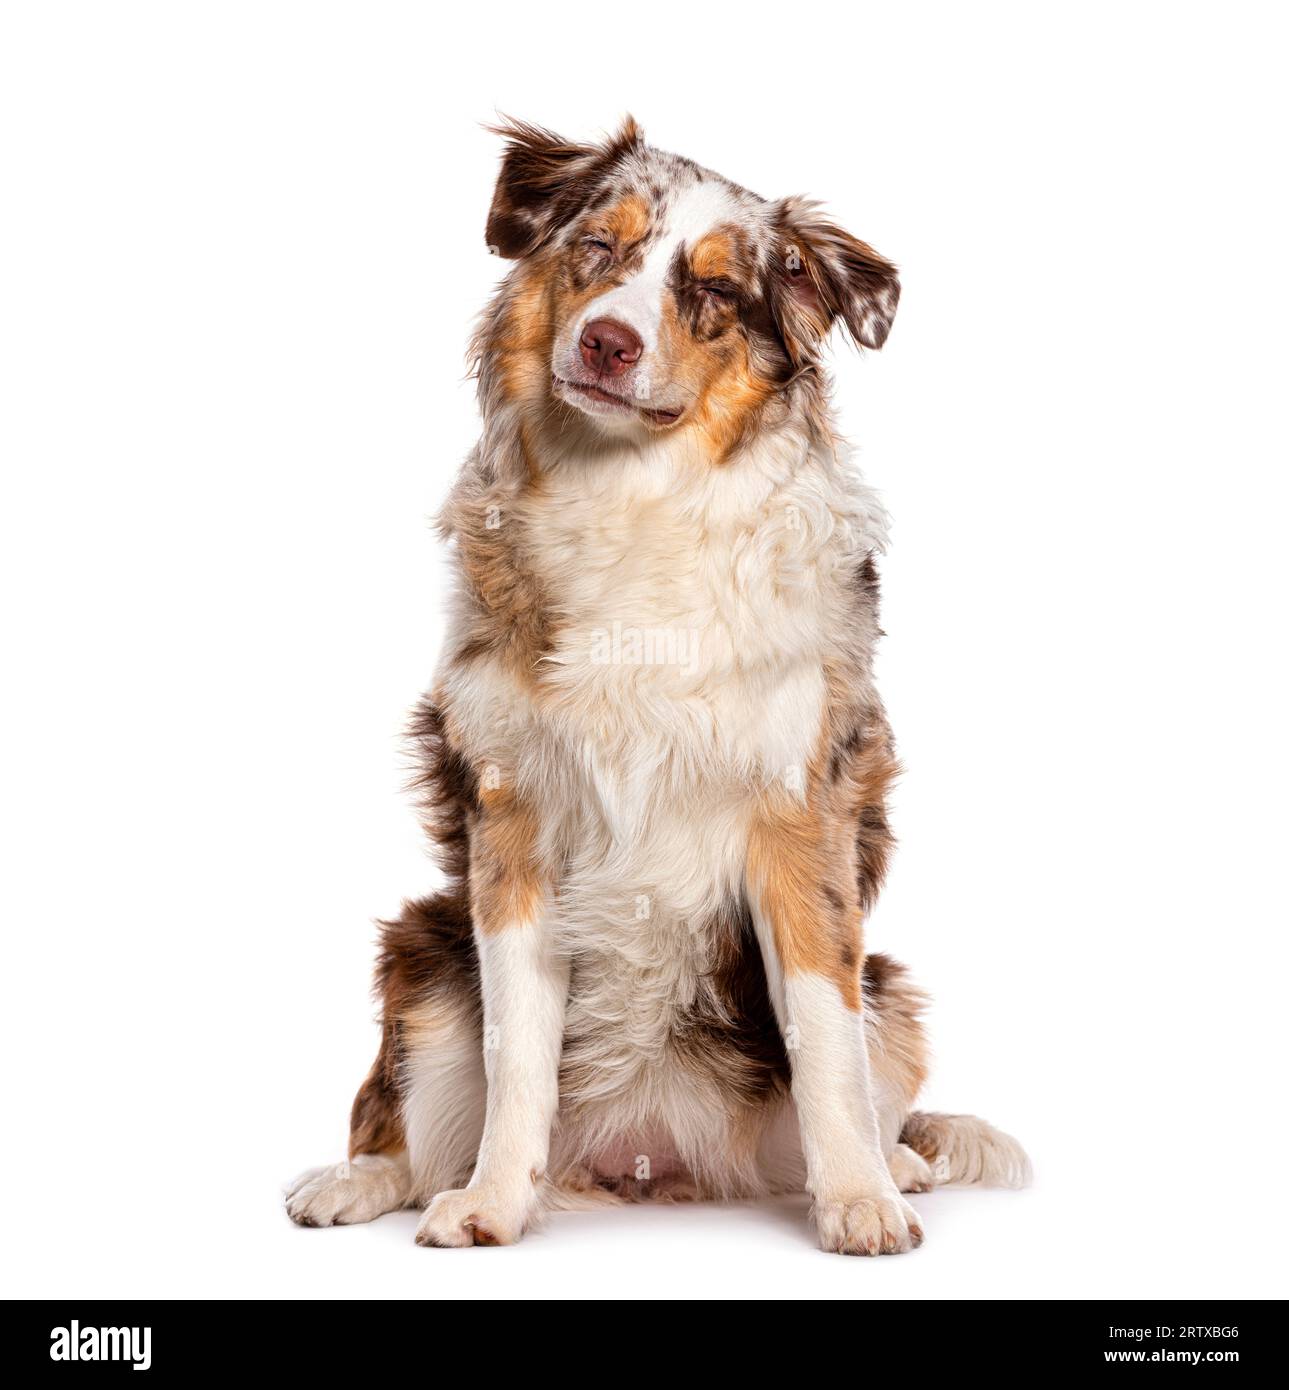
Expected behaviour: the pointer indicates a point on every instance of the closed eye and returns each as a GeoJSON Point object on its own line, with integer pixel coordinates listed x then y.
{"type": "Point", "coordinates": [596, 244]}
{"type": "Point", "coordinates": [717, 289]}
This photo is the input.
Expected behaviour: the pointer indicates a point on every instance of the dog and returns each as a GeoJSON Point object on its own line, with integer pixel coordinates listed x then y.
{"type": "Point", "coordinates": [654, 762]}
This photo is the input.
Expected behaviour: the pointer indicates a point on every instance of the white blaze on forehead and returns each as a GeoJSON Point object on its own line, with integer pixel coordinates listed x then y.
{"type": "Point", "coordinates": [637, 302]}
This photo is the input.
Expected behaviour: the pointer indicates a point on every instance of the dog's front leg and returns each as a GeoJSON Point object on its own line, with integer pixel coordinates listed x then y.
{"type": "Point", "coordinates": [802, 890]}
{"type": "Point", "coordinates": [524, 985]}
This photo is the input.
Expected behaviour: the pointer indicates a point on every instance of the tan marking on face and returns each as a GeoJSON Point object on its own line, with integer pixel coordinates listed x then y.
{"type": "Point", "coordinates": [731, 405]}
{"type": "Point", "coordinates": [544, 305]}
{"type": "Point", "coordinates": [717, 376]}
{"type": "Point", "coordinates": [522, 346]}
{"type": "Point", "coordinates": [569, 308]}
{"type": "Point", "coordinates": [506, 881]}
{"type": "Point", "coordinates": [626, 222]}
{"type": "Point", "coordinates": [714, 257]}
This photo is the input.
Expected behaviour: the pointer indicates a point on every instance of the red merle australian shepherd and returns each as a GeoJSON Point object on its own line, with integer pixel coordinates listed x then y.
{"type": "Point", "coordinates": [654, 761]}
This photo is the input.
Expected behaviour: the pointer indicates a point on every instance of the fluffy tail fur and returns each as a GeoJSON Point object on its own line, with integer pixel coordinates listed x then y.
{"type": "Point", "coordinates": [963, 1148]}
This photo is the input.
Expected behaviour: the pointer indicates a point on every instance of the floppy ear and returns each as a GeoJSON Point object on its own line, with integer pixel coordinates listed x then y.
{"type": "Point", "coordinates": [824, 274]}
{"type": "Point", "coordinates": [544, 181]}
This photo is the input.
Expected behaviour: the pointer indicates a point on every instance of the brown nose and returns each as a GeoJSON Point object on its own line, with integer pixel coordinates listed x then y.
{"type": "Point", "coordinates": [609, 347]}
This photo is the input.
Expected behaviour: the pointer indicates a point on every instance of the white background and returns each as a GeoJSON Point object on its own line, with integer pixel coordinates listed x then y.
{"type": "Point", "coordinates": [243, 245]}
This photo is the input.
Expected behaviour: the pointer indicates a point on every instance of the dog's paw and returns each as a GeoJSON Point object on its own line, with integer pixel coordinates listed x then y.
{"type": "Point", "coordinates": [345, 1194]}
{"type": "Point", "coordinates": [867, 1226]}
{"type": "Point", "coordinates": [471, 1216]}
{"type": "Point", "coordinates": [909, 1170]}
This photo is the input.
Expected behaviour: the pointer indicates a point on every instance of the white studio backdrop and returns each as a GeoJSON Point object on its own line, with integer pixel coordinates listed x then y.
{"type": "Point", "coordinates": [242, 251]}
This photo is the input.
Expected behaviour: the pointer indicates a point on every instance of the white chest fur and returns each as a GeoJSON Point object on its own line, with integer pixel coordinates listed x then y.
{"type": "Point", "coordinates": [695, 606]}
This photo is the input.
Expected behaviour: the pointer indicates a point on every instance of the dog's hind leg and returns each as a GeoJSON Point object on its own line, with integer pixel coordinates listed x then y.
{"type": "Point", "coordinates": [346, 1194]}
{"type": "Point", "coordinates": [445, 1094]}
{"type": "Point", "coordinates": [966, 1149]}
{"type": "Point", "coordinates": [376, 1176]}
{"type": "Point", "coordinates": [417, 1119]}
{"type": "Point", "coordinates": [897, 1057]}
{"type": "Point", "coordinates": [912, 1173]}
{"type": "Point", "coordinates": [924, 1150]}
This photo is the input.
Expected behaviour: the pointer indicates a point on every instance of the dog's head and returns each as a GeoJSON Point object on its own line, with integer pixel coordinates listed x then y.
{"type": "Point", "coordinates": [653, 295]}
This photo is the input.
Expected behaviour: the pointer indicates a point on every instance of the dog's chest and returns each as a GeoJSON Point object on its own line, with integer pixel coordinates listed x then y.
{"type": "Point", "coordinates": [685, 647]}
